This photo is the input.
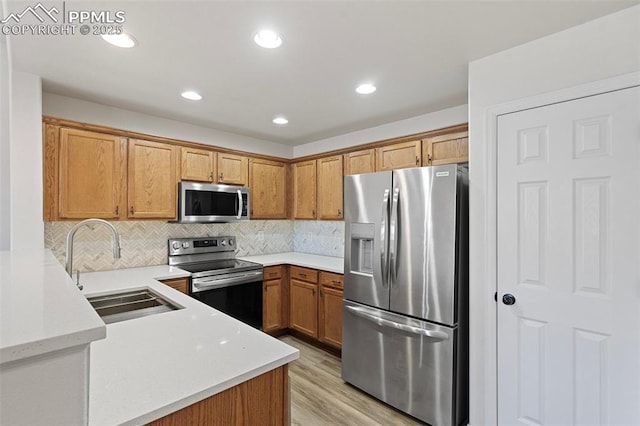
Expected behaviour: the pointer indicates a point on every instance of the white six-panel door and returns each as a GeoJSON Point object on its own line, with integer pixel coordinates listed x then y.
{"type": "Point", "coordinates": [568, 252]}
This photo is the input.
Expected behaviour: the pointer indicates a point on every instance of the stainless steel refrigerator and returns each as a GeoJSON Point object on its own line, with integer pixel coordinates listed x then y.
{"type": "Point", "coordinates": [405, 290]}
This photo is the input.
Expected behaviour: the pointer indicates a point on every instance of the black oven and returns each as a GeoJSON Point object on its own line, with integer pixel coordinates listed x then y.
{"type": "Point", "coordinates": [219, 280]}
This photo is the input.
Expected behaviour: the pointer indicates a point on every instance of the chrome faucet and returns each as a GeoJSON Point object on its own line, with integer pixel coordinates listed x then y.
{"type": "Point", "coordinates": [68, 247]}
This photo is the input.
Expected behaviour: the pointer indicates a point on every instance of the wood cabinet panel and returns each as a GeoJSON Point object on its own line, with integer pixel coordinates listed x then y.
{"type": "Point", "coordinates": [446, 149]}
{"type": "Point", "coordinates": [303, 316]}
{"type": "Point", "coordinates": [329, 279]}
{"type": "Point", "coordinates": [267, 180]}
{"type": "Point", "coordinates": [360, 162]}
{"type": "Point", "coordinates": [399, 156]}
{"type": "Point", "coordinates": [50, 170]}
{"type": "Point", "coordinates": [233, 169]}
{"type": "Point", "coordinates": [180, 284]}
{"type": "Point", "coordinates": [304, 274]}
{"type": "Point", "coordinates": [91, 174]}
{"type": "Point", "coordinates": [304, 190]}
{"type": "Point", "coordinates": [330, 316]}
{"type": "Point", "coordinates": [329, 203]}
{"type": "Point", "coordinates": [272, 305]}
{"type": "Point", "coordinates": [152, 180]}
{"type": "Point", "coordinates": [197, 165]}
{"type": "Point", "coordinates": [263, 400]}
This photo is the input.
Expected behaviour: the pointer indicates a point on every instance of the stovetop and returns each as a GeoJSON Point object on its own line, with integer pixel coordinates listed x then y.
{"type": "Point", "coordinates": [224, 266]}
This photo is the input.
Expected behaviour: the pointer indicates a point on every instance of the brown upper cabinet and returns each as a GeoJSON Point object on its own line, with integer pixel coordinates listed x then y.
{"type": "Point", "coordinates": [268, 194]}
{"type": "Point", "coordinates": [329, 202]}
{"type": "Point", "coordinates": [232, 169]}
{"type": "Point", "coordinates": [84, 174]}
{"type": "Point", "coordinates": [446, 149]}
{"type": "Point", "coordinates": [359, 162]}
{"type": "Point", "coordinates": [198, 165]}
{"type": "Point", "coordinates": [304, 189]}
{"type": "Point", "coordinates": [152, 180]}
{"type": "Point", "coordinates": [399, 156]}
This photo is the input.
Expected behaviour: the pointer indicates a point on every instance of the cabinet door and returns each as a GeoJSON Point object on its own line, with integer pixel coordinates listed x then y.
{"type": "Point", "coordinates": [268, 191]}
{"type": "Point", "coordinates": [197, 165]}
{"type": "Point", "coordinates": [304, 190]}
{"type": "Point", "coordinates": [330, 309]}
{"type": "Point", "coordinates": [272, 305]}
{"type": "Point", "coordinates": [446, 149]}
{"type": "Point", "coordinates": [330, 187]}
{"type": "Point", "coordinates": [91, 175]}
{"type": "Point", "coordinates": [399, 156]}
{"type": "Point", "coordinates": [304, 307]}
{"type": "Point", "coordinates": [152, 180]}
{"type": "Point", "coordinates": [360, 162]}
{"type": "Point", "coordinates": [232, 169]}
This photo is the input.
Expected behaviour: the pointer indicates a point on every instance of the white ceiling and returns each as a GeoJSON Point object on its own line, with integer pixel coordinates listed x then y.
{"type": "Point", "coordinates": [415, 52]}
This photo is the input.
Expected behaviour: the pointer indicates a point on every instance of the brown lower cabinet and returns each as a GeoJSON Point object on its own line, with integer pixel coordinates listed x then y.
{"type": "Point", "coordinates": [263, 400]}
{"type": "Point", "coordinates": [305, 300]}
{"type": "Point", "coordinates": [275, 301]}
{"type": "Point", "coordinates": [180, 284]}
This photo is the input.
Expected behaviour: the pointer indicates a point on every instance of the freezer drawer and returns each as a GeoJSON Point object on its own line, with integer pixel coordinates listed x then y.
{"type": "Point", "coordinates": [407, 363]}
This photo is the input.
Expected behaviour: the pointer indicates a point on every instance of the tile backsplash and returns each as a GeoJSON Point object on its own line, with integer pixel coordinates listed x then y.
{"type": "Point", "coordinates": [319, 237]}
{"type": "Point", "coordinates": [144, 243]}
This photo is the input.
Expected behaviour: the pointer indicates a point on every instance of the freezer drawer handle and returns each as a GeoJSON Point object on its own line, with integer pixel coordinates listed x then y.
{"type": "Point", "coordinates": [437, 336]}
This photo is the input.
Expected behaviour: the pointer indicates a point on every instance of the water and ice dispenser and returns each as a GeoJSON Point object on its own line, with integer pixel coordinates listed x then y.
{"type": "Point", "coordinates": [362, 237]}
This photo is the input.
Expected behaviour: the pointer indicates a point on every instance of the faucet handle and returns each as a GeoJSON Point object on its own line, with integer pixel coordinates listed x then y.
{"type": "Point", "coordinates": [80, 286]}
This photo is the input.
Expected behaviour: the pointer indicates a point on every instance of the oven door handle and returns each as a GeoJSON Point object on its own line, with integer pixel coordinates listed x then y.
{"type": "Point", "coordinates": [202, 284]}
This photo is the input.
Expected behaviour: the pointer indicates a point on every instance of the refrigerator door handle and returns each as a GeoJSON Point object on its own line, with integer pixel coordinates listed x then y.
{"type": "Point", "coordinates": [384, 263]}
{"type": "Point", "coordinates": [393, 237]}
{"type": "Point", "coordinates": [436, 336]}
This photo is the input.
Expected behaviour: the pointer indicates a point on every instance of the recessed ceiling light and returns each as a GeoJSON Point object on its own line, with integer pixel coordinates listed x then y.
{"type": "Point", "coordinates": [268, 38]}
{"type": "Point", "coordinates": [366, 88]}
{"type": "Point", "coordinates": [120, 40]}
{"type": "Point", "coordinates": [191, 95]}
{"type": "Point", "coordinates": [280, 120]}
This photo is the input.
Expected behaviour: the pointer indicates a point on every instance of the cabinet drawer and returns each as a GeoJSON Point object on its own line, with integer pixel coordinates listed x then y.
{"type": "Point", "coordinates": [272, 272]}
{"type": "Point", "coordinates": [332, 280]}
{"type": "Point", "coordinates": [304, 274]}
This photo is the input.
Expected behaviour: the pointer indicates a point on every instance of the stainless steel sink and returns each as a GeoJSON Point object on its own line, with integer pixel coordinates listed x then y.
{"type": "Point", "coordinates": [122, 306]}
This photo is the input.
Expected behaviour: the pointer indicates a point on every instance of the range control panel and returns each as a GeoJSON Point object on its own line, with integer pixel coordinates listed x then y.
{"type": "Point", "coordinates": [181, 246]}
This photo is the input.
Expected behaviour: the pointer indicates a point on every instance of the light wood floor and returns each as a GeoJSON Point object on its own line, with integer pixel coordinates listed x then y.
{"type": "Point", "coordinates": [320, 397]}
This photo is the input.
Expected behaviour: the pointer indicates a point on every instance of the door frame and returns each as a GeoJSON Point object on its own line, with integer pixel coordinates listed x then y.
{"type": "Point", "coordinates": [483, 313]}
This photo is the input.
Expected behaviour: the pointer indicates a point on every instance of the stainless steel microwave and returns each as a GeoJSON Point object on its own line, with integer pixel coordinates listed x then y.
{"type": "Point", "coordinates": [204, 202]}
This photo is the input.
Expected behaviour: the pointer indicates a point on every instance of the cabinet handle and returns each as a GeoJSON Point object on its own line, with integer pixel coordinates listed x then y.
{"type": "Point", "coordinates": [339, 212]}
{"type": "Point", "coordinates": [314, 291]}
{"type": "Point", "coordinates": [117, 210]}
{"type": "Point", "coordinates": [131, 209]}
{"type": "Point", "coordinates": [429, 159]}
{"type": "Point", "coordinates": [313, 213]}
{"type": "Point", "coordinates": [321, 293]}
{"type": "Point", "coordinates": [303, 275]}
{"type": "Point", "coordinates": [336, 282]}
{"type": "Point", "coordinates": [417, 160]}
{"type": "Point", "coordinates": [221, 176]}
{"type": "Point", "coordinates": [211, 176]}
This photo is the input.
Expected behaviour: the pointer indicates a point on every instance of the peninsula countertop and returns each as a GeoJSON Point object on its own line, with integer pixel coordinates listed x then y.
{"type": "Point", "coordinates": [149, 367]}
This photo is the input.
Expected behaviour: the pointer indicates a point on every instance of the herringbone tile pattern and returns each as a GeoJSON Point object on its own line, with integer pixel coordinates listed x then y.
{"type": "Point", "coordinates": [144, 243]}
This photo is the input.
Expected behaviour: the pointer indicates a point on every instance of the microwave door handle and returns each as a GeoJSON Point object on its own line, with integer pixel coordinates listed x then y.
{"type": "Point", "coordinates": [239, 205]}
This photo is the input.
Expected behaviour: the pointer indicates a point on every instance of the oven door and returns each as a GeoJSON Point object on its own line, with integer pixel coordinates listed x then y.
{"type": "Point", "coordinates": [242, 301]}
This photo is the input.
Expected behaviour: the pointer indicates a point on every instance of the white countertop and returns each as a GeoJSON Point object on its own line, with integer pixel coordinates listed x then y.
{"type": "Point", "coordinates": [306, 260]}
{"type": "Point", "coordinates": [152, 366]}
{"type": "Point", "coordinates": [41, 309]}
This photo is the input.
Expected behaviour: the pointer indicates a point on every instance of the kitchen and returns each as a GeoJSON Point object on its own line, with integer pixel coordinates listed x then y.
{"type": "Point", "coordinates": [492, 81]}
